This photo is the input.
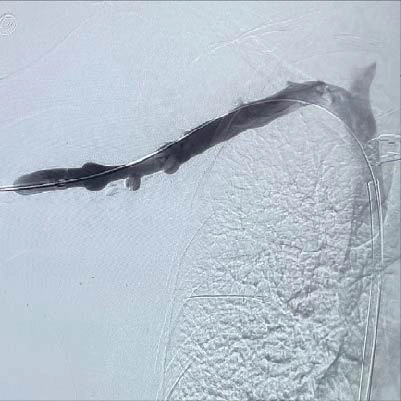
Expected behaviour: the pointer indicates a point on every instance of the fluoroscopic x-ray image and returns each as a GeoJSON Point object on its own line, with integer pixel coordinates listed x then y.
{"type": "Point", "coordinates": [200, 200]}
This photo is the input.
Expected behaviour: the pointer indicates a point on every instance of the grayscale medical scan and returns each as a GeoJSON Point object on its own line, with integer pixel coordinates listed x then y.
{"type": "Point", "coordinates": [200, 200]}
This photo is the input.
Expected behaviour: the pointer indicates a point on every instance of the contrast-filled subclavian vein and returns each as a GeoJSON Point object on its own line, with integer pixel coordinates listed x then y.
{"type": "Point", "coordinates": [172, 155]}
